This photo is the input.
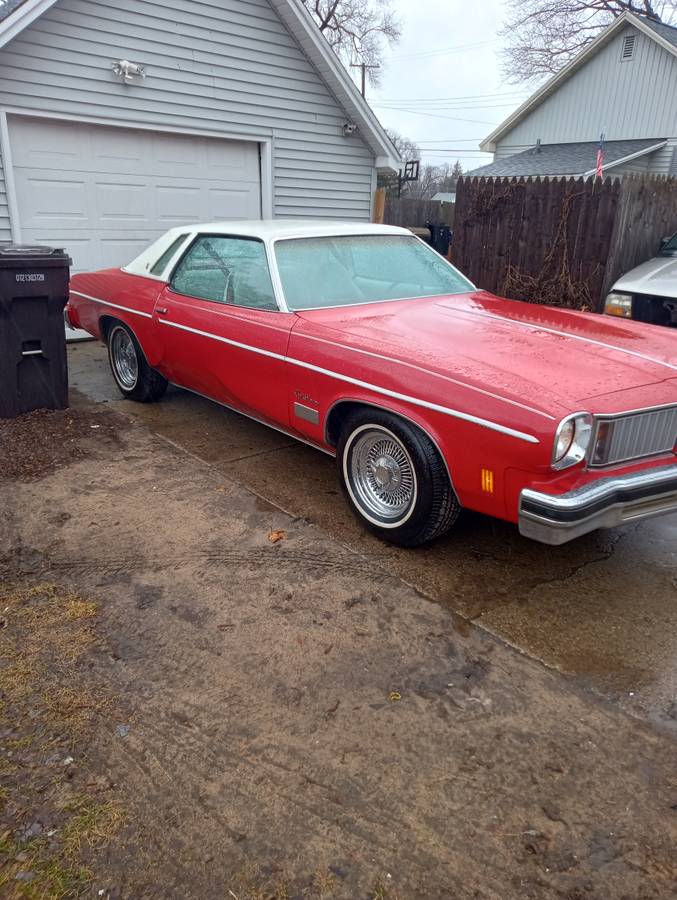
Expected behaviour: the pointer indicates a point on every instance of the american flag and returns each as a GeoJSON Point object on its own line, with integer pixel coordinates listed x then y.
{"type": "Point", "coordinates": [600, 156]}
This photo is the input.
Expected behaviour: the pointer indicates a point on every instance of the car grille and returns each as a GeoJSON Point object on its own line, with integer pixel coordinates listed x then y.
{"type": "Point", "coordinates": [634, 436]}
{"type": "Point", "coordinates": [655, 310]}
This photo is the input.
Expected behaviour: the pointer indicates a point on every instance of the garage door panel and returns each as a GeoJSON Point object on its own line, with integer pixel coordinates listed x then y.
{"type": "Point", "coordinates": [62, 149]}
{"type": "Point", "coordinates": [238, 163]}
{"type": "Point", "coordinates": [229, 204]}
{"type": "Point", "coordinates": [43, 199]}
{"type": "Point", "coordinates": [117, 201]}
{"type": "Point", "coordinates": [126, 152]}
{"type": "Point", "coordinates": [178, 203]}
{"type": "Point", "coordinates": [105, 193]}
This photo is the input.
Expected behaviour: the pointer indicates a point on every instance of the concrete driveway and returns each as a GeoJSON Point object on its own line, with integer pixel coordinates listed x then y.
{"type": "Point", "coordinates": [602, 608]}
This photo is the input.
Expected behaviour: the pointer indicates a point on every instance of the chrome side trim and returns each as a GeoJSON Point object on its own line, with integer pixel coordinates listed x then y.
{"type": "Point", "coordinates": [467, 417]}
{"type": "Point", "coordinates": [605, 503]}
{"type": "Point", "coordinates": [307, 413]}
{"type": "Point", "coordinates": [135, 312]}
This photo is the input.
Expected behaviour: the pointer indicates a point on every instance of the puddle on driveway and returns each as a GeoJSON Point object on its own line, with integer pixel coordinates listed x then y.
{"type": "Point", "coordinates": [603, 607]}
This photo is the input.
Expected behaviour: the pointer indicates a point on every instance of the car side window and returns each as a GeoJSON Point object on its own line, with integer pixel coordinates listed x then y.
{"type": "Point", "coordinates": [161, 263]}
{"type": "Point", "coordinates": [226, 270]}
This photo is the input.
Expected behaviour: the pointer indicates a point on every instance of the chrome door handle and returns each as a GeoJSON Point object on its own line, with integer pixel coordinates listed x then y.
{"type": "Point", "coordinates": [161, 310]}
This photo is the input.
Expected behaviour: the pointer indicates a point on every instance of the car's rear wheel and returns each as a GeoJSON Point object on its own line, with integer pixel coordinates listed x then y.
{"type": "Point", "coordinates": [135, 379]}
{"type": "Point", "coordinates": [394, 478]}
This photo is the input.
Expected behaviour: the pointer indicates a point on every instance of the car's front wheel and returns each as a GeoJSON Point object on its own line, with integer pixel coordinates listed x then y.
{"type": "Point", "coordinates": [133, 376]}
{"type": "Point", "coordinates": [394, 478]}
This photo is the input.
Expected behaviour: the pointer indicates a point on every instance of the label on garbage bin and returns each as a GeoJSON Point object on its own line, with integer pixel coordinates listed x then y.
{"type": "Point", "coordinates": [30, 276]}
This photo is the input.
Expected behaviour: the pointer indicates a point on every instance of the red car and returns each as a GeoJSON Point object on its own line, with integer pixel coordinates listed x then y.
{"type": "Point", "coordinates": [432, 395]}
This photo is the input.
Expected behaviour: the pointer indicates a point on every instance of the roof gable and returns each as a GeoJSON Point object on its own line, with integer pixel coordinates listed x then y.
{"type": "Point", "coordinates": [655, 31]}
{"type": "Point", "coordinates": [16, 15]}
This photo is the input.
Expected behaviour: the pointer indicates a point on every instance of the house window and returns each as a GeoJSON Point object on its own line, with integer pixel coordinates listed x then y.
{"type": "Point", "coordinates": [628, 50]}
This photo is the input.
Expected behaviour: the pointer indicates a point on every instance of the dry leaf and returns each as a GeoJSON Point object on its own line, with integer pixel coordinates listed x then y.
{"type": "Point", "coordinates": [277, 534]}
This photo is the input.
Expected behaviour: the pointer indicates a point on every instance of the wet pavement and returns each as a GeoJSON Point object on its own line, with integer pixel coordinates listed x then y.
{"type": "Point", "coordinates": [602, 608]}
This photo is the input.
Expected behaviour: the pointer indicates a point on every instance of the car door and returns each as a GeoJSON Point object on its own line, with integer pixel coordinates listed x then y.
{"type": "Point", "coordinates": [221, 331]}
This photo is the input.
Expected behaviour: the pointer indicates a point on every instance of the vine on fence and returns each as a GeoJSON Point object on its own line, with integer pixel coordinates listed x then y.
{"type": "Point", "coordinates": [553, 284]}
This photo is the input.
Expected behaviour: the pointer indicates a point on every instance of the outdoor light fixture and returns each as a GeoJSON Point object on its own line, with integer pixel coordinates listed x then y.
{"type": "Point", "coordinates": [349, 128]}
{"type": "Point", "coordinates": [127, 71]}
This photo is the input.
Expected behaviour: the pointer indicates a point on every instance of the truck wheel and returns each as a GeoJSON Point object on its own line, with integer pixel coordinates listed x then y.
{"type": "Point", "coordinates": [133, 376]}
{"type": "Point", "coordinates": [394, 479]}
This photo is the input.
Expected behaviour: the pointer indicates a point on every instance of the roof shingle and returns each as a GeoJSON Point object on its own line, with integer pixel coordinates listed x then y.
{"type": "Point", "coordinates": [7, 7]}
{"type": "Point", "coordinates": [667, 32]}
{"type": "Point", "coordinates": [562, 159]}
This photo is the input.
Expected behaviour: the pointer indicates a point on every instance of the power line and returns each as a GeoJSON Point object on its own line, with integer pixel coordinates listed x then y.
{"type": "Point", "coordinates": [457, 49]}
{"type": "Point", "coordinates": [494, 95]}
{"type": "Point", "coordinates": [436, 116]}
{"type": "Point", "coordinates": [448, 107]}
{"type": "Point", "coordinates": [455, 141]}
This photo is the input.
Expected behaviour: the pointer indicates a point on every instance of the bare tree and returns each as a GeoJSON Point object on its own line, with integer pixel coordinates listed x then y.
{"type": "Point", "coordinates": [544, 35]}
{"type": "Point", "coordinates": [407, 148]}
{"type": "Point", "coordinates": [357, 29]}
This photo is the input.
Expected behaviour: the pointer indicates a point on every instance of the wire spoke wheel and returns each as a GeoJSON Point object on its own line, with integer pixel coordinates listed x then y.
{"type": "Point", "coordinates": [381, 476]}
{"type": "Point", "coordinates": [124, 359]}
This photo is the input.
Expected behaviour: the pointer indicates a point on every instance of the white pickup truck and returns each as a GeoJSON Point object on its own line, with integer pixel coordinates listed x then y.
{"type": "Point", "coordinates": [649, 292]}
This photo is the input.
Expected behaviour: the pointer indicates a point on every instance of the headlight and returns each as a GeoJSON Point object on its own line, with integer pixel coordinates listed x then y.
{"type": "Point", "coordinates": [619, 305]}
{"type": "Point", "coordinates": [572, 440]}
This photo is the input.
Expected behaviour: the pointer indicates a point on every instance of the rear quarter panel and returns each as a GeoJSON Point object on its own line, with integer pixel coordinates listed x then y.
{"type": "Point", "coordinates": [120, 295]}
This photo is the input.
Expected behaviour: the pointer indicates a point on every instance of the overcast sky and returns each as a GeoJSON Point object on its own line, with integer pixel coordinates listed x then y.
{"type": "Point", "coordinates": [446, 67]}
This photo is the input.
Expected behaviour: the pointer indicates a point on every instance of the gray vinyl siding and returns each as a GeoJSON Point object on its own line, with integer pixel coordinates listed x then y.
{"type": "Point", "coordinates": [630, 99]}
{"type": "Point", "coordinates": [214, 65]}
{"type": "Point", "coordinates": [5, 234]}
{"type": "Point", "coordinates": [664, 161]}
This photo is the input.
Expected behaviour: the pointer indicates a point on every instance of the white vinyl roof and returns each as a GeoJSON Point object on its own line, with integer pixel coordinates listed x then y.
{"type": "Point", "coordinates": [266, 230]}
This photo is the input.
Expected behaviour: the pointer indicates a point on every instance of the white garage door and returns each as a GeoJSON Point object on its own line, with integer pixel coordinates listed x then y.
{"type": "Point", "coordinates": [105, 193]}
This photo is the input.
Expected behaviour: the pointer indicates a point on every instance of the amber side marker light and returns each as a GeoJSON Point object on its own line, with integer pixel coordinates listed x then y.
{"type": "Point", "coordinates": [487, 481]}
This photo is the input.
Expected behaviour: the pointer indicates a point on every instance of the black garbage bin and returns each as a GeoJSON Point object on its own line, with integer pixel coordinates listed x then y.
{"type": "Point", "coordinates": [440, 237]}
{"type": "Point", "coordinates": [33, 294]}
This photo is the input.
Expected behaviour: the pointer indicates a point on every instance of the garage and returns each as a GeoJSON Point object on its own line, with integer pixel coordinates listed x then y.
{"type": "Point", "coordinates": [105, 192]}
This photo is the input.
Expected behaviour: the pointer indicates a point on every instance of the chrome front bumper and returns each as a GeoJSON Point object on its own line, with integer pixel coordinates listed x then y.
{"type": "Point", "coordinates": [605, 503]}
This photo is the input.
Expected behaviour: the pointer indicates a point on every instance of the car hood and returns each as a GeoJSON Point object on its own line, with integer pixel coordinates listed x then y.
{"type": "Point", "coordinates": [552, 359]}
{"type": "Point", "coordinates": [657, 276]}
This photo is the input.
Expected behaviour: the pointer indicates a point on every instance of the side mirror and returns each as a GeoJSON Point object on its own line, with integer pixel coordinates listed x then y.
{"type": "Point", "coordinates": [664, 242]}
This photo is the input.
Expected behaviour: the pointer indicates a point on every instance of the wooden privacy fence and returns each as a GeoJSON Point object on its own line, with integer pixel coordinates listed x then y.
{"type": "Point", "coordinates": [559, 241]}
{"type": "Point", "coordinates": [409, 212]}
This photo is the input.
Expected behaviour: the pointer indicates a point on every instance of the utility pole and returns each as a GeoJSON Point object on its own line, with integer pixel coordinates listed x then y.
{"type": "Point", "coordinates": [364, 68]}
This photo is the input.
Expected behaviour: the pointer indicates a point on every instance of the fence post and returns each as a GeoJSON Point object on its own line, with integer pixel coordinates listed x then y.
{"type": "Point", "coordinates": [379, 206]}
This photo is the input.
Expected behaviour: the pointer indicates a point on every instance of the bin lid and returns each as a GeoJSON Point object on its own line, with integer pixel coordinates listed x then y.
{"type": "Point", "coordinates": [14, 250]}
{"type": "Point", "coordinates": [13, 255]}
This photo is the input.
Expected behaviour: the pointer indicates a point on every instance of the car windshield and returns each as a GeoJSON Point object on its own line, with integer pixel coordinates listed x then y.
{"type": "Point", "coordinates": [670, 248]}
{"type": "Point", "coordinates": [342, 271]}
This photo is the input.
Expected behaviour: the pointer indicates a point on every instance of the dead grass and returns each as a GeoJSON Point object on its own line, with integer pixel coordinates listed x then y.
{"type": "Point", "coordinates": [51, 705]}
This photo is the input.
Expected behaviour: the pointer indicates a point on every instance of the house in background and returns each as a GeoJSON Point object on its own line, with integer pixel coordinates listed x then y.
{"type": "Point", "coordinates": [623, 84]}
{"type": "Point", "coordinates": [242, 111]}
